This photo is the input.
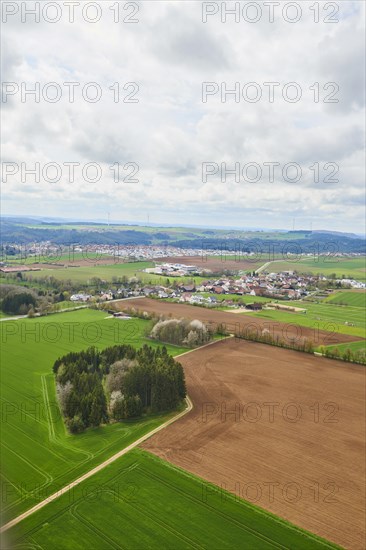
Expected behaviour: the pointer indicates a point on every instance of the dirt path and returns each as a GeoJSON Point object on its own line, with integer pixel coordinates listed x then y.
{"type": "Point", "coordinates": [95, 470]}
{"type": "Point", "coordinates": [263, 267]}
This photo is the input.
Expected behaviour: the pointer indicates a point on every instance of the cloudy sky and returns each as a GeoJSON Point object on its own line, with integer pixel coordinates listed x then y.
{"type": "Point", "coordinates": [167, 134]}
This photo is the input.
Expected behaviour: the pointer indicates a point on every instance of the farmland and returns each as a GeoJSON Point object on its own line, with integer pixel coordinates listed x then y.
{"type": "Point", "coordinates": [37, 452]}
{"type": "Point", "coordinates": [84, 273]}
{"type": "Point", "coordinates": [142, 502]}
{"type": "Point", "coordinates": [354, 346]}
{"type": "Point", "coordinates": [325, 315]}
{"type": "Point", "coordinates": [216, 264]}
{"type": "Point", "coordinates": [71, 258]}
{"type": "Point", "coordinates": [303, 448]}
{"type": "Point", "coordinates": [354, 268]}
{"type": "Point", "coordinates": [39, 456]}
{"type": "Point", "coordinates": [348, 298]}
{"type": "Point", "coordinates": [237, 324]}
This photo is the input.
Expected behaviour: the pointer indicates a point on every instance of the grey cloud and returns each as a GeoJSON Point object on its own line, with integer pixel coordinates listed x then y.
{"type": "Point", "coordinates": [342, 60]}
{"type": "Point", "coordinates": [185, 42]}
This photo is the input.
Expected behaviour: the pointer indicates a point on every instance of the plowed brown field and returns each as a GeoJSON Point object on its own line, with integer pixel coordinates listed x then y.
{"type": "Point", "coordinates": [279, 428]}
{"type": "Point", "coordinates": [234, 325]}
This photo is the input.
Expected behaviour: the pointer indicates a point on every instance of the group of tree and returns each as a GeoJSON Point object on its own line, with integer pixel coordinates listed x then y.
{"type": "Point", "coordinates": [117, 383]}
{"type": "Point", "coordinates": [17, 300]}
{"type": "Point", "coordinates": [79, 379]}
{"type": "Point", "coordinates": [181, 332]}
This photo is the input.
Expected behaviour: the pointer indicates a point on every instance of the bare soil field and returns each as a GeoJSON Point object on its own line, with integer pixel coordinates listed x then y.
{"type": "Point", "coordinates": [233, 324]}
{"type": "Point", "coordinates": [281, 429]}
{"type": "Point", "coordinates": [216, 265]}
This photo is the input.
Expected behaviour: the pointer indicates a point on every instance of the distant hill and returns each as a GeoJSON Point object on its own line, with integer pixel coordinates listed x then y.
{"type": "Point", "coordinates": [27, 230]}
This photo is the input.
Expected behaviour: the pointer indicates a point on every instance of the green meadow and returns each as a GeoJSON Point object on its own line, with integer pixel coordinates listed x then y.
{"type": "Point", "coordinates": [348, 298]}
{"type": "Point", "coordinates": [354, 346]}
{"type": "Point", "coordinates": [140, 501]}
{"type": "Point", "coordinates": [322, 316]}
{"type": "Point", "coordinates": [354, 267]}
{"type": "Point", "coordinates": [322, 265]}
{"type": "Point", "coordinates": [37, 452]}
{"type": "Point", "coordinates": [84, 274]}
{"type": "Point", "coordinates": [48, 256]}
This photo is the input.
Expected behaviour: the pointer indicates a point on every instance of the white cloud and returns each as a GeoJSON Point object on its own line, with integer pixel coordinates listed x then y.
{"type": "Point", "coordinates": [170, 132]}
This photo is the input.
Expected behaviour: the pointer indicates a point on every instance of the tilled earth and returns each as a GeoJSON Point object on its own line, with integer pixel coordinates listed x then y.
{"type": "Point", "coordinates": [279, 428]}
{"type": "Point", "coordinates": [237, 324]}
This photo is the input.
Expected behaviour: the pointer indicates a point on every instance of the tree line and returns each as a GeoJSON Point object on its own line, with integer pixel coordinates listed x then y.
{"type": "Point", "coordinates": [95, 387]}
{"type": "Point", "coordinates": [303, 344]}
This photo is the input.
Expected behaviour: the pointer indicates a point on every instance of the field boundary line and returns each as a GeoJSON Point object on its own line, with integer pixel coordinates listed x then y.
{"type": "Point", "coordinates": [51, 430]}
{"type": "Point", "coordinates": [204, 346]}
{"type": "Point", "coordinates": [101, 466]}
{"type": "Point", "coordinates": [243, 526]}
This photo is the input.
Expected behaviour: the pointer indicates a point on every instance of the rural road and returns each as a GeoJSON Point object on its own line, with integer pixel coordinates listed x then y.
{"type": "Point", "coordinates": [17, 317]}
{"type": "Point", "coordinates": [96, 469]}
{"type": "Point", "coordinates": [262, 267]}
{"type": "Point", "coordinates": [14, 318]}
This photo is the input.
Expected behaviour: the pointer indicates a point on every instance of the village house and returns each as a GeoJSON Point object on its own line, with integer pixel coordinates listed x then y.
{"type": "Point", "coordinates": [80, 297]}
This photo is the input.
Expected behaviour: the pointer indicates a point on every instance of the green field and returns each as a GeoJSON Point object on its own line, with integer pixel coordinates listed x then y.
{"type": "Point", "coordinates": [50, 257]}
{"type": "Point", "coordinates": [320, 317]}
{"type": "Point", "coordinates": [354, 346]}
{"type": "Point", "coordinates": [36, 449]}
{"type": "Point", "coordinates": [141, 502]}
{"type": "Point", "coordinates": [354, 268]}
{"type": "Point", "coordinates": [350, 267]}
{"type": "Point", "coordinates": [84, 274]}
{"type": "Point", "coordinates": [348, 298]}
